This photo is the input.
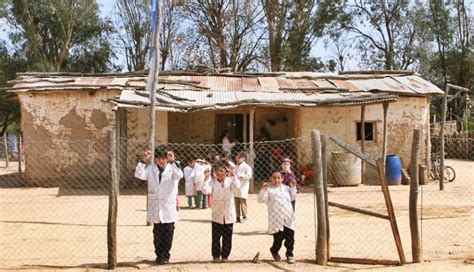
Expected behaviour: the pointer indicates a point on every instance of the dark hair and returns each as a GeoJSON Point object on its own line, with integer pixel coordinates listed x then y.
{"type": "Point", "coordinates": [242, 155]}
{"type": "Point", "coordinates": [223, 134]}
{"type": "Point", "coordinates": [221, 164]}
{"type": "Point", "coordinates": [161, 152]}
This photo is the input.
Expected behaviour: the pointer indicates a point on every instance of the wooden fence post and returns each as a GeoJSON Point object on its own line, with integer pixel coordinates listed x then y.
{"type": "Point", "coordinates": [441, 138]}
{"type": "Point", "coordinates": [112, 216]}
{"type": "Point", "coordinates": [414, 187]}
{"type": "Point", "coordinates": [20, 155]}
{"type": "Point", "coordinates": [324, 142]}
{"type": "Point", "coordinates": [321, 239]}
{"type": "Point", "coordinates": [7, 160]}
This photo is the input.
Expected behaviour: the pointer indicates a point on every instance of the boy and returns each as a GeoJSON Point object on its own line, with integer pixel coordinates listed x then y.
{"type": "Point", "coordinates": [281, 218]}
{"type": "Point", "coordinates": [190, 190]}
{"type": "Point", "coordinates": [244, 174]}
{"type": "Point", "coordinates": [163, 175]}
{"type": "Point", "coordinates": [223, 210]}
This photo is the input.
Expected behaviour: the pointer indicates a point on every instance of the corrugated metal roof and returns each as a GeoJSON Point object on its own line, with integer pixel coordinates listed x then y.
{"type": "Point", "coordinates": [186, 101]}
{"type": "Point", "coordinates": [397, 83]}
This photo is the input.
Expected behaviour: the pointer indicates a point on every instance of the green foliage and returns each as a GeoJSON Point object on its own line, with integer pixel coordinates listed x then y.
{"type": "Point", "coordinates": [9, 106]}
{"type": "Point", "coordinates": [60, 35]}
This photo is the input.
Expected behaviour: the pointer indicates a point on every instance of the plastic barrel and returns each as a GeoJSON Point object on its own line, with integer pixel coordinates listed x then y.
{"type": "Point", "coordinates": [393, 170]}
{"type": "Point", "coordinates": [345, 169]}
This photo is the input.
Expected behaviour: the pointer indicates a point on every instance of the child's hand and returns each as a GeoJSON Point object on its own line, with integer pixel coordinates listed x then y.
{"type": "Point", "coordinates": [292, 183]}
{"type": "Point", "coordinates": [265, 186]}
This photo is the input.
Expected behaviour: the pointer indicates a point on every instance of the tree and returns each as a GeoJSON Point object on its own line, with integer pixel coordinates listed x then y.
{"type": "Point", "coordinates": [293, 27]}
{"type": "Point", "coordinates": [60, 35]}
{"type": "Point", "coordinates": [9, 107]}
{"type": "Point", "coordinates": [452, 60]}
{"type": "Point", "coordinates": [133, 22]}
{"type": "Point", "coordinates": [387, 31]}
{"type": "Point", "coordinates": [228, 31]}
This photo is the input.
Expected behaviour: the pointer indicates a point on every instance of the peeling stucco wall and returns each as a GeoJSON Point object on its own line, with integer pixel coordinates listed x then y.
{"type": "Point", "coordinates": [403, 116]}
{"type": "Point", "coordinates": [66, 133]}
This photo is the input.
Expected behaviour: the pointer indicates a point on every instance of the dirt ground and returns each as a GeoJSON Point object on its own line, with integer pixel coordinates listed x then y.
{"type": "Point", "coordinates": [49, 228]}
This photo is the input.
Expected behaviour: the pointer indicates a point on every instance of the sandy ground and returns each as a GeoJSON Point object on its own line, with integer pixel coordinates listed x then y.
{"type": "Point", "coordinates": [47, 228]}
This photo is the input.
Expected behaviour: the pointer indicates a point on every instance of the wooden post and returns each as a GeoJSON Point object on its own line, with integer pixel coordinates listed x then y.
{"type": "Point", "coordinates": [441, 138]}
{"type": "Point", "coordinates": [362, 141]}
{"type": "Point", "coordinates": [20, 155]}
{"type": "Point", "coordinates": [414, 186]}
{"type": "Point", "coordinates": [385, 134]}
{"type": "Point", "coordinates": [324, 141]}
{"type": "Point", "coordinates": [7, 160]}
{"type": "Point", "coordinates": [152, 81]}
{"type": "Point", "coordinates": [321, 240]}
{"type": "Point", "coordinates": [252, 152]}
{"type": "Point", "coordinates": [112, 216]}
{"type": "Point", "coordinates": [391, 213]}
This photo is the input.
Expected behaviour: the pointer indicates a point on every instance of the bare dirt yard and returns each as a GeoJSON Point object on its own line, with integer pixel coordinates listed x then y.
{"type": "Point", "coordinates": [52, 228]}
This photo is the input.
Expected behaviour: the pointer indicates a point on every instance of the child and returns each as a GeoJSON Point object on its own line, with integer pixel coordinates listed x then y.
{"type": "Point", "coordinates": [189, 183]}
{"type": "Point", "coordinates": [281, 217]}
{"type": "Point", "coordinates": [207, 178]}
{"type": "Point", "coordinates": [223, 211]}
{"type": "Point", "coordinates": [244, 174]}
{"type": "Point", "coordinates": [163, 175]}
{"type": "Point", "coordinates": [198, 173]}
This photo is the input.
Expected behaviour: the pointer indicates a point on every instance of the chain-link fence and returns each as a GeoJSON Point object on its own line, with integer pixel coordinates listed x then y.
{"type": "Point", "coordinates": [54, 213]}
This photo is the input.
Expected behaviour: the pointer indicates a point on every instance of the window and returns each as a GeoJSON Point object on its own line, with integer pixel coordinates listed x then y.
{"type": "Point", "coordinates": [369, 131]}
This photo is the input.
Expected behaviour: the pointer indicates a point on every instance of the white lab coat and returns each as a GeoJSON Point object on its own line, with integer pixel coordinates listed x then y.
{"type": "Point", "coordinates": [161, 195]}
{"type": "Point", "coordinates": [198, 174]}
{"type": "Point", "coordinates": [244, 174]}
{"type": "Point", "coordinates": [223, 205]}
{"type": "Point", "coordinates": [189, 181]}
{"type": "Point", "coordinates": [280, 211]}
{"type": "Point", "coordinates": [227, 145]}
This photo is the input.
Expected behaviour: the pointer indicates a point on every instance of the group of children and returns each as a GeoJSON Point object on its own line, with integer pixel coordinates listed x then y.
{"type": "Point", "coordinates": [227, 184]}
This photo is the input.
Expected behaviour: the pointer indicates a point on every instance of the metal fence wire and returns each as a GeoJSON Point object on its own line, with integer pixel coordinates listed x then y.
{"type": "Point", "coordinates": [54, 212]}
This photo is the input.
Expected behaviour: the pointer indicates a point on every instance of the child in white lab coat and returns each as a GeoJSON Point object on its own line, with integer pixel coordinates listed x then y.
{"type": "Point", "coordinates": [223, 210]}
{"type": "Point", "coordinates": [281, 217]}
{"type": "Point", "coordinates": [190, 190]}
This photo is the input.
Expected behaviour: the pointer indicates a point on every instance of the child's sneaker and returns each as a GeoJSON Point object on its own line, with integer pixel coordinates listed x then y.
{"type": "Point", "coordinates": [224, 260]}
{"type": "Point", "coordinates": [290, 260]}
{"type": "Point", "coordinates": [276, 257]}
{"type": "Point", "coordinates": [216, 259]}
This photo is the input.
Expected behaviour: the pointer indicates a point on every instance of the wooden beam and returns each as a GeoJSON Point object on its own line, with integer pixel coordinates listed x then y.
{"type": "Point", "coordinates": [251, 141]}
{"type": "Point", "coordinates": [5, 144]}
{"type": "Point", "coordinates": [414, 188]}
{"type": "Point", "coordinates": [321, 240]}
{"type": "Point", "coordinates": [363, 261]}
{"type": "Point", "coordinates": [350, 149]}
{"type": "Point", "coordinates": [362, 140]}
{"type": "Point", "coordinates": [357, 210]}
{"type": "Point", "coordinates": [20, 153]}
{"type": "Point", "coordinates": [391, 213]}
{"type": "Point", "coordinates": [441, 138]}
{"type": "Point", "coordinates": [385, 134]}
{"type": "Point", "coordinates": [324, 140]}
{"type": "Point", "coordinates": [113, 195]}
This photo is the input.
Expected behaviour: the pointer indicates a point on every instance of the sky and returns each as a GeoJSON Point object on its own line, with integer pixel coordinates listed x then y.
{"type": "Point", "coordinates": [106, 10]}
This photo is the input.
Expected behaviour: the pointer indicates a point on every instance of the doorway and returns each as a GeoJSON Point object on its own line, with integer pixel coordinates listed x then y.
{"type": "Point", "coordinates": [234, 124]}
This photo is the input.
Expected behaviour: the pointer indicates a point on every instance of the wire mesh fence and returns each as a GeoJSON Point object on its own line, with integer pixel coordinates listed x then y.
{"type": "Point", "coordinates": [55, 211]}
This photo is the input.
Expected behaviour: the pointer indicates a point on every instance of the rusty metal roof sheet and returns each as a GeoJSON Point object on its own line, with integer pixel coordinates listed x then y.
{"type": "Point", "coordinates": [294, 82]}
{"type": "Point", "coordinates": [188, 101]}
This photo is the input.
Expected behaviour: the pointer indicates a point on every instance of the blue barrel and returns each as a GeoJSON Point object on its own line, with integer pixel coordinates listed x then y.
{"type": "Point", "coordinates": [393, 170]}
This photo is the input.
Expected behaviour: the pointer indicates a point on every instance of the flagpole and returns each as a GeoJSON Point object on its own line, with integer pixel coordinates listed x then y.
{"type": "Point", "coordinates": [152, 82]}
